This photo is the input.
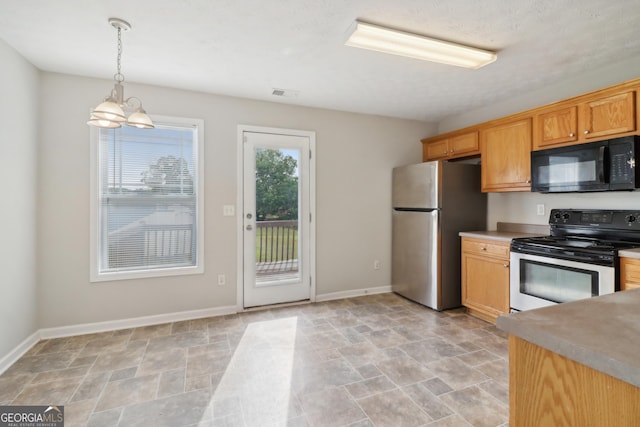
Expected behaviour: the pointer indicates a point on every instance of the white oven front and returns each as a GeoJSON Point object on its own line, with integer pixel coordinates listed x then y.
{"type": "Point", "coordinates": [539, 281]}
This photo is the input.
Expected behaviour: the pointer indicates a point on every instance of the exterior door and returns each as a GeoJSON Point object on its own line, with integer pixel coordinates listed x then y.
{"type": "Point", "coordinates": [276, 217]}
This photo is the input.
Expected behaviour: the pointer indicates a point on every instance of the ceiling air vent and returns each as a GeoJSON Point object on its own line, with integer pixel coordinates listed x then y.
{"type": "Point", "coordinates": [287, 93]}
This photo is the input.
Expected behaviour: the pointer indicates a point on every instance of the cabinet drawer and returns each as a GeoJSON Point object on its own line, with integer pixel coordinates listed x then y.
{"type": "Point", "coordinates": [487, 247]}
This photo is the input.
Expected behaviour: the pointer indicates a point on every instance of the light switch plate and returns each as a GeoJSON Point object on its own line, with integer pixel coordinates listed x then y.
{"type": "Point", "coordinates": [228, 210]}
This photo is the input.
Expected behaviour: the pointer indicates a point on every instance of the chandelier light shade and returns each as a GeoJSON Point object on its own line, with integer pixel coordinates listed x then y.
{"type": "Point", "coordinates": [112, 112]}
{"type": "Point", "coordinates": [381, 39]}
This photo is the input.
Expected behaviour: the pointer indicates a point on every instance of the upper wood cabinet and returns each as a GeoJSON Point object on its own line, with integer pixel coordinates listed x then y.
{"type": "Point", "coordinates": [506, 156]}
{"type": "Point", "coordinates": [599, 117]}
{"type": "Point", "coordinates": [463, 145]}
{"type": "Point", "coordinates": [609, 115]}
{"type": "Point", "coordinates": [556, 127]}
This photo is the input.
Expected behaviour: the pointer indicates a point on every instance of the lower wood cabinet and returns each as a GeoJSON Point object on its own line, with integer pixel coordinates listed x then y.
{"type": "Point", "coordinates": [629, 273]}
{"type": "Point", "coordinates": [485, 277]}
{"type": "Point", "coordinates": [549, 390]}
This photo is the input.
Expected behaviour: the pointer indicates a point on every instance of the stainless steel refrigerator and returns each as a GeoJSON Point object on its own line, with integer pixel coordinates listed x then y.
{"type": "Point", "coordinates": [432, 203]}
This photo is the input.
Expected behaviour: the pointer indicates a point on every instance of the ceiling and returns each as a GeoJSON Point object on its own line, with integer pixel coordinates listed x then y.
{"type": "Point", "coordinates": [247, 48]}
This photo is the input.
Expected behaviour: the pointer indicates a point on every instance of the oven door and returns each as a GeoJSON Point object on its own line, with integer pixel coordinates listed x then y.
{"type": "Point", "coordinates": [537, 281]}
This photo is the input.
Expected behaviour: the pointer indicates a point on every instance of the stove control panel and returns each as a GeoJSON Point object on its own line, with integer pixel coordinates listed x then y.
{"type": "Point", "coordinates": [604, 219]}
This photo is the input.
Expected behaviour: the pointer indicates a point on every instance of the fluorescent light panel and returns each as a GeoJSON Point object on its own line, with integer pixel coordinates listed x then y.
{"type": "Point", "coordinates": [381, 39]}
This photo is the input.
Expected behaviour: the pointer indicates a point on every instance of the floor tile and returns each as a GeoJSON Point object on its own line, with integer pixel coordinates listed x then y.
{"type": "Point", "coordinates": [91, 386]}
{"type": "Point", "coordinates": [427, 401]}
{"type": "Point", "coordinates": [404, 370]}
{"type": "Point", "coordinates": [116, 360]}
{"type": "Point", "coordinates": [127, 392]}
{"type": "Point", "coordinates": [393, 409]}
{"type": "Point", "coordinates": [54, 392]}
{"type": "Point", "coordinates": [153, 362]}
{"type": "Point", "coordinates": [478, 407]}
{"type": "Point", "coordinates": [456, 373]}
{"type": "Point", "coordinates": [370, 386]}
{"type": "Point", "coordinates": [342, 408]}
{"type": "Point", "coordinates": [180, 410]}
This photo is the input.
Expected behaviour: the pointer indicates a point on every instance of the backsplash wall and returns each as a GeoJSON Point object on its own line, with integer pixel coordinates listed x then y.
{"type": "Point", "coordinates": [522, 207]}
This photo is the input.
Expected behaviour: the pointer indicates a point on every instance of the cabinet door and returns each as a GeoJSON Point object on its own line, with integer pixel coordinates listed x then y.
{"type": "Point", "coordinates": [485, 286]}
{"type": "Point", "coordinates": [506, 157]}
{"type": "Point", "coordinates": [466, 144]}
{"type": "Point", "coordinates": [556, 127]}
{"type": "Point", "coordinates": [610, 115]}
{"type": "Point", "coordinates": [629, 273]}
{"type": "Point", "coordinates": [436, 150]}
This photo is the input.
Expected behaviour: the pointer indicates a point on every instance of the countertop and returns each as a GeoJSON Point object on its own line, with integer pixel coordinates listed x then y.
{"type": "Point", "coordinates": [502, 236]}
{"type": "Point", "coordinates": [602, 333]}
{"type": "Point", "coordinates": [630, 253]}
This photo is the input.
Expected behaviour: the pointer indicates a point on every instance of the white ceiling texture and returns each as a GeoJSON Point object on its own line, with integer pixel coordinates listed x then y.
{"type": "Point", "coordinates": [247, 48]}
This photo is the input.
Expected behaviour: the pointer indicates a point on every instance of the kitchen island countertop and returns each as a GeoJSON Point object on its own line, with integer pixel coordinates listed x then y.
{"type": "Point", "coordinates": [602, 333]}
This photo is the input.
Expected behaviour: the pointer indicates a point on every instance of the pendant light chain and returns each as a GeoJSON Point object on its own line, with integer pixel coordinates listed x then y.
{"type": "Point", "coordinates": [118, 76]}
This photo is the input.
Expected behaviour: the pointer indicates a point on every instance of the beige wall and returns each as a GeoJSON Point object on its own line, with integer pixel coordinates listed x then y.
{"type": "Point", "coordinates": [18, 175]}
{"type": "Point", "coordinates": [355, 155]}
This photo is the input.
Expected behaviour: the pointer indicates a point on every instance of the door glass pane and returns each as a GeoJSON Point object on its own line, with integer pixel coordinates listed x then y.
{"type": "Point", "coordinates": [556, 283]}
{"type": "Point", "coordinates": [277, 219]}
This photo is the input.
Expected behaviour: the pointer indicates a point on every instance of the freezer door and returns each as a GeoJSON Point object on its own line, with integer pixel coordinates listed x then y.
{"type": "Point", "coordinates": [416, 186]}
{"type": "Point", "coordinates": [414, 266]}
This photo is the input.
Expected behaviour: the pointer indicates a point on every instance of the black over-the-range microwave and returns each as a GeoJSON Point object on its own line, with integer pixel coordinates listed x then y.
{"type": "Point", "coordinates": [608, 165]}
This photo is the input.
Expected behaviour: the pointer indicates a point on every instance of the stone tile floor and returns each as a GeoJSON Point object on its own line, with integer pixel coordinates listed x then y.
{"type": "Point", "coordinates": [377, 360]}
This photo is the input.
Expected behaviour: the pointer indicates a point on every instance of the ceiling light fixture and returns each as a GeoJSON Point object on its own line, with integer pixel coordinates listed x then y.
{"type": "Point", "coordinates": [381, 39]}
{"type": "Point", "coordinates": [110, 113]}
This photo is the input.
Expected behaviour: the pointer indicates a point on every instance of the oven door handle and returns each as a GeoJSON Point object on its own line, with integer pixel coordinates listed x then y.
{"type": "Point", "coordinates": [571, 256]}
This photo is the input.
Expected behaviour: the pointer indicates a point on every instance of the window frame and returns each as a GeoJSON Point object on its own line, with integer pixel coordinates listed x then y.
{"type": "Point", "coordinates": [95, 225]}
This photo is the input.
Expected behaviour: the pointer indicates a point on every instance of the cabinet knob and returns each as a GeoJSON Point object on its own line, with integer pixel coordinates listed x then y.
{"type": "Point", "coordinates": [586, 132]}
{"type": "Point", "coordinates": [505, 265]}
{"type": "Point", "coordinates": [571, 134]}
{"type": "Point", "coordinates": [483, 248]}
{"type": "Point", "coordinates": [528, 181]}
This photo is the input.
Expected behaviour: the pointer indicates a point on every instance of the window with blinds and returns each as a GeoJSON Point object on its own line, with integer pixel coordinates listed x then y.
{"type": "Point", "coordinates": [147, 206]}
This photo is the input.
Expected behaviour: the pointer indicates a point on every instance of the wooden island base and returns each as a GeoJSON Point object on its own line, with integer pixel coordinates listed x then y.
{"type": "Point", "coordinates": [547, 389]}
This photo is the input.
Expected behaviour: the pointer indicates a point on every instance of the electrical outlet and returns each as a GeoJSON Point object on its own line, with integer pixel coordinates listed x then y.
{"type": "Point", "coordinates": [540, 209]}
{"type": "Point", "coordinates": [376, 265]}
{"type": "Point", "coordinates": [221, 279]}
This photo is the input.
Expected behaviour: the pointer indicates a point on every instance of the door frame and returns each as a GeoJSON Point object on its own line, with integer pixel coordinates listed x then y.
{"type": "Point", "coordinates": [240, 206]}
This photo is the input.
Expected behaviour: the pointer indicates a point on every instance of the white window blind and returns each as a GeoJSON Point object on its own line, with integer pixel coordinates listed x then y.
{"type": "Point", "coordinates": [147, 204]}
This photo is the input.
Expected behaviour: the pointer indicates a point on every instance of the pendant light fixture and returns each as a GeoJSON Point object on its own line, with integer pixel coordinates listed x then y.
{"type": "Point", "coordinates": [111, 112]}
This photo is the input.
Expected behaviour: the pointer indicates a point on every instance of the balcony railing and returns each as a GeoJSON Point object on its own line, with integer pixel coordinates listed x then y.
{"type": "Point", "coordinates": [276, 249]}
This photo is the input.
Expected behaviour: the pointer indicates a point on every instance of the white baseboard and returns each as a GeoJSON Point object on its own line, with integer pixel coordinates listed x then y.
{"type": "Point", "coordinates": [90, 328]}
{"type": "Point", "coordinates": [354, 293]}
{"type": "Point", "coordinates": [114, 325]}
{"type": "Point", "coordinates": [19, 351]}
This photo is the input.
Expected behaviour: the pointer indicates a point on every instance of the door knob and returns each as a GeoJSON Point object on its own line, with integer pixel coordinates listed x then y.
{"type": "Point", "coordinates": [249, 216]}
{"type": "Point", "coordinates": [249, 227]}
